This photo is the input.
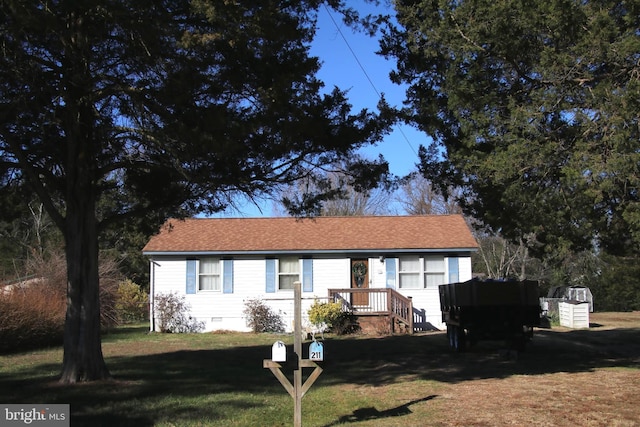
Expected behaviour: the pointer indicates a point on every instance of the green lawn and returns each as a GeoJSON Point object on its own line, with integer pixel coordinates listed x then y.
{"type": "Point", "coordinates": [219, 380]}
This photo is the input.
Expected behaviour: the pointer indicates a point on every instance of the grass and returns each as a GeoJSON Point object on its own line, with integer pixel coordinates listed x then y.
{"type": "Point", "coordinates": [218, 380]}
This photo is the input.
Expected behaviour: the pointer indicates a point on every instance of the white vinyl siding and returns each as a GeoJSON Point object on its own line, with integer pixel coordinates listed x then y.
{"type": "Point", "coordinates": [224, 311]}
{"type": "Point", "coordinates": [330, 273]}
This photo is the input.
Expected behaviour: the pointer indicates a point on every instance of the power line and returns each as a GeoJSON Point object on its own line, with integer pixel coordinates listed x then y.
{"type": "Point", "coordinates": [364, 71]}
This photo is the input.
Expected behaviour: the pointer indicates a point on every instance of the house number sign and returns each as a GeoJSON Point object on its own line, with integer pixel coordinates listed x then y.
{"type": "Point", "coordinates": [316, 351]}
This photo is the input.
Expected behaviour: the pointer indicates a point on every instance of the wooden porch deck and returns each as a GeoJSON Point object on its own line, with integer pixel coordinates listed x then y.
{"type": "Point", "coordinates": [384, 303]}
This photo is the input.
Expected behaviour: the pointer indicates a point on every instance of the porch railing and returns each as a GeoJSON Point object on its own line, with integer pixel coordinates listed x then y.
{"type": "Point", "coordinates": [376, 302]}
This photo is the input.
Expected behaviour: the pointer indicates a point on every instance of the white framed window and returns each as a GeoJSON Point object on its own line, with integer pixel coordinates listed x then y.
{"type": "Point", "coordinates": [409, 272]}
{"type": "Point", "coordinates": [434, 271]}
{"type": "Point", "coordinates": [209, 275]}
{"type": "Point", "coordinates": [421, 272]}
{"type": "Point", "coordinates": [288, 272]}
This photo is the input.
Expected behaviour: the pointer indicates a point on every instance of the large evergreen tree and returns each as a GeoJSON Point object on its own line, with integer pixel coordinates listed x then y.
{"type": "Point", "coordinates": [113, 110]}
{"type": "Point", "coordinates": [534, 110]}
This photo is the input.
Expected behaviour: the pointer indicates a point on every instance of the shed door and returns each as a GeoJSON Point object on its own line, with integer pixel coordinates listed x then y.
{"type": "Point", "coordinates": [360, 280]}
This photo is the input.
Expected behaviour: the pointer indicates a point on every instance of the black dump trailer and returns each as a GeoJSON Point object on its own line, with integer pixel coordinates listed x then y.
{"type": "Point", "coordinates": [490, 310]}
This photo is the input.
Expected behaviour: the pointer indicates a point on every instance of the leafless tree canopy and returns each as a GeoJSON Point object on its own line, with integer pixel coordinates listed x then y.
{"type": "Point", "coordinates": [417, 196]}
{"type": "Point", "coordinates": [349, 201]}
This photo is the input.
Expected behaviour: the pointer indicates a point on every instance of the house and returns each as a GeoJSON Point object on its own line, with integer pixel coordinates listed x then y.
{"type": "Point", "coordinates": [375, 265]}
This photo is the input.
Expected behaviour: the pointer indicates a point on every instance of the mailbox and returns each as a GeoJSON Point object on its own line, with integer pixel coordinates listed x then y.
{"type": "Point", "coordinates": [279, 352]}
{"type": "Point", "coordinates": [316, 351]}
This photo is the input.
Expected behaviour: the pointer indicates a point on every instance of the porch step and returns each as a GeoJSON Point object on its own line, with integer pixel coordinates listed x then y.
{"type": "Point", "coordinates": [384, 303]}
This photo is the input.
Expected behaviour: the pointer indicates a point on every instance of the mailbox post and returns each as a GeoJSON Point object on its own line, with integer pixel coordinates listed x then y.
{"type": "Point", "coordinates": [298, 389]}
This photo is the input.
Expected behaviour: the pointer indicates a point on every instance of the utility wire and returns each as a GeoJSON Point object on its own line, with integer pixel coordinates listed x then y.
{"type": "Point", "coordinates": [364, 71]}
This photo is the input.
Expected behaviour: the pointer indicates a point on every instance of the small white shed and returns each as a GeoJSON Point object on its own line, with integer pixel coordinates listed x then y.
{"type": "Point", "coordinates": [574, 314]}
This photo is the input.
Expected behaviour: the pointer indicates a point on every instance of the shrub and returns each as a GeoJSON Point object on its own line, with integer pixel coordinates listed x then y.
{"type": "Point", "coordinates": [131, 302]}
{"type": "Point", "coordinates": [171, 312]}
{"type": "Point", "coordinates": [32, 317]}
{"type": "Point", "coordinates": [346, 324]}
{"type": "Point", "coordinates": [51, 268]}
{"type": "Point", "coordinates": [331, 314]}
{"type": "Point", "coordinates": [32, 312]}
{"type": "Point", "coordinates": [325, 312]}
{"type": "Point", "coordinates": [261, 318]}
{"type": "Point", "coordinates": [110, 277]}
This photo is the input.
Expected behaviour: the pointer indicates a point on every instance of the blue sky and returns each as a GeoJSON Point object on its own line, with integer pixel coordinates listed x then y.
{"type": "Point", "coordinates": [350, 63]}
{"type": "Point", "coordinates": [341, 68]}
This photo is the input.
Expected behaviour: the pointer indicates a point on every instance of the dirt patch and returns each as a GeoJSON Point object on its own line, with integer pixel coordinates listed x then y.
{"type": "Point", "coordinates": [600, 398]}
{"type": "Point", "coordinates": [566, 378]}
{"type": "Point", "coordinates": [615, 320]}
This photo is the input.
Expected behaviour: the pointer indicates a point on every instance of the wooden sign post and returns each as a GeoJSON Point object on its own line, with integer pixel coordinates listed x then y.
{"type": "Point", "coordinates": [298, 389]}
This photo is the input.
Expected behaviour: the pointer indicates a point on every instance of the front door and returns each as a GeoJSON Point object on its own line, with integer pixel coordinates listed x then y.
{"type": "Point", "coordinates": [360, 280]}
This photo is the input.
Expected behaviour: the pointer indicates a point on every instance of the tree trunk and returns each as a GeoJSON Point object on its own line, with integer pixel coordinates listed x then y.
{"type": "Point", "coordinates": [83, 359]}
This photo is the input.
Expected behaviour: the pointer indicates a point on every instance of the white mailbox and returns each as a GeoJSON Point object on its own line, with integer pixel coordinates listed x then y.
{"type": "Point", "coordinates": [279, 352]}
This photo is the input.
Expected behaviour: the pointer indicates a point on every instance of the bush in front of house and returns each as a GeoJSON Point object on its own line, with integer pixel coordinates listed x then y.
{"type": "Point", "coordinates": [261, 318]}
{"type": "Point", "coordinates": [331, 314]}
{"type": "Point", "coordinates": [172, 314]}
{"type": "Point", "coordinates": [326, 313]}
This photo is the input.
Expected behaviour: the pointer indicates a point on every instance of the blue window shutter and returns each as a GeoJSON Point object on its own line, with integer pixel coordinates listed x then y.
{"type": "Point", "coordinates": [390, 264]}
{"type": "Point", "coordinates": [454, 276]}
{"type": "Point", "coordinates": [307, 275]}
{"type": "Point", "coordinates": [271, 275]}
{"type": "Point", "coordinates": [191, 276]}
{"type": "Point", "coordinates": [227, 276]}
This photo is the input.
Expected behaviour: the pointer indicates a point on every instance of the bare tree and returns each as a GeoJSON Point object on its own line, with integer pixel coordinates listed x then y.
{"type": "Point", "coordinates": [350, 198]}
{"type": "Point", "coordinates": [417, 196]}
{"type": "Point", "coordinates": [501, 258]}
{"type": "Point", "coordinates": [357, 203]}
